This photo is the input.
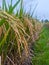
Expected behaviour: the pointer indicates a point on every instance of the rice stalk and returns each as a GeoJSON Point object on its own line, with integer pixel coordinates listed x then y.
{"type": "Point", "coordinates": [16, 26]}
{"type": "Point", "coordinates": [28, 23]}
{"type": "Point", "coordinates": [4, 39]}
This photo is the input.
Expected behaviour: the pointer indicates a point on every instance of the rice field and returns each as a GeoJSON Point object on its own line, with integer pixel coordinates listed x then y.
{"type": "Point", "coordinates": [23, 39]}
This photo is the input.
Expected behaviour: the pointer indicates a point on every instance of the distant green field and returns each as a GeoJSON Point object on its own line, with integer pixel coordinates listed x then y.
{"type": "Point", "coordinates": [41, 48]}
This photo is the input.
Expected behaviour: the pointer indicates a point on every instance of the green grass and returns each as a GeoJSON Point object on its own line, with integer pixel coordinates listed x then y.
{"type": "Point", "coordinates": [41, 48]}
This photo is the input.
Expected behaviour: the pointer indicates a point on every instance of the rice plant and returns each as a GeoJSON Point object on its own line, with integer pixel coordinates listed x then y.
{"type": "Point", "coordinates": [17, 33]}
